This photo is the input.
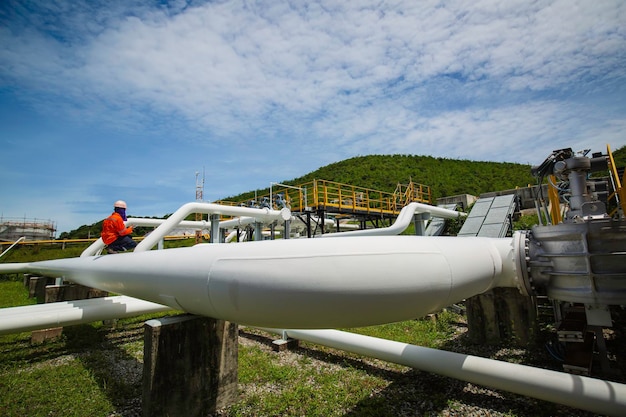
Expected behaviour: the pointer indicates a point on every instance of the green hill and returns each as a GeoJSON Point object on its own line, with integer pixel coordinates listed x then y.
{"type": "Point", "coordinates": [620, 156]}
{"type": "Point", "coordinates": [446, 177]}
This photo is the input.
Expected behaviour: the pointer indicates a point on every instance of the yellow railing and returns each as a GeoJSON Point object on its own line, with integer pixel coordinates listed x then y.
{"type": "Point", "coordinates": [412, 192]}
{"type": "Point", "coordinates": [619, 193]}
{"type": "Point", "coordinates": [555, 202]}
{"type": "Point", "coordinates": [332, 195]}
{"type": "Point", "coordinates": [344, 198]}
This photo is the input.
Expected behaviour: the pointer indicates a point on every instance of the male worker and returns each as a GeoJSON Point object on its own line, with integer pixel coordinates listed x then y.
{"type": "Point", "coordinates": [115, 234]}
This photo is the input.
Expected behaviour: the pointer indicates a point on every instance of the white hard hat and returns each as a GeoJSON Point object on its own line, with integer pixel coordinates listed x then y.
{"type": "Point", "coordinates": [120, 204]}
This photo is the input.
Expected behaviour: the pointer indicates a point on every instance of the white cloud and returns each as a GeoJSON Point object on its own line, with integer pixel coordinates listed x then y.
{"type": "Point", "coordinates": [229, 59]}
{"type": "Point", "coordinates": [517, 133]}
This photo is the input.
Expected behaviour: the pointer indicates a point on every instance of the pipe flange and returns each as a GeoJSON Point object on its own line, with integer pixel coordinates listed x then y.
{"type": "Point", "coordinates": [521, 255]}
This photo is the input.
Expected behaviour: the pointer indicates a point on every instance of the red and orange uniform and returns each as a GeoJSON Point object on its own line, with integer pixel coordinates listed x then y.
{"type": "Point", "coordinates": [113, 228]}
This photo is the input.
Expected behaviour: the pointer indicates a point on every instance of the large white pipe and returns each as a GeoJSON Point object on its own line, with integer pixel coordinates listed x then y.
{"type": "Point", "coordinates": [304, 283]}
{"type": "Point", "coordinates": [598, 396]}
{"type": "Point", "coordinates": [67, 313]}
{"type": "Point", "coordinates": [403, 221]}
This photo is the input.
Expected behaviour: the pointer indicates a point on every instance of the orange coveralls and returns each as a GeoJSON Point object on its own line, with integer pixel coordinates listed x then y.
{"type": "Point", "coordinates": [113, 227]}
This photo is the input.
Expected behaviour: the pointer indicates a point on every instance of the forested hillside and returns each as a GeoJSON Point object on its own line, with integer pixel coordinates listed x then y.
{"type": "Point", "coordinates": [446, 177]}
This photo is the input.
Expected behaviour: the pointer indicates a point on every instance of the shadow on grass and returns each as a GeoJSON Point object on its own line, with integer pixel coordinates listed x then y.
{"type": "Point", "coordinates": [103, 352]}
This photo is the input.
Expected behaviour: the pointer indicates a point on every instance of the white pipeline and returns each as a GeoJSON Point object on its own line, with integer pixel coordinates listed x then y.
{"type": "Point", "coordinates": [97, 246]}
{"type": "Point", "coordinates": [403, 221]}
{"type": "Point", "coordinates": [303, 283]}
{"type": "Point", "coordinates": [177, 220]}
{"type": "Point", "coordinates": [67, 313]}
{"type": "Point", "coordinates": [12, 246]}
{"type": "Point", "coordinates": [598, 396]}
{"type": "Point", "coordinates": [260, 214]}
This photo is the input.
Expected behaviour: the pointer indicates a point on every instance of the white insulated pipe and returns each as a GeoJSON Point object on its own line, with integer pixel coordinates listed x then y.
{"type": "Point", "coordinates": [404, 219]}
{"type": "Point", "coordinates": [303, 283]}
{"type": "Point", "coordinates": [192, 224]}
{"type": "Point", "coordinates": [12, 246]}
{"type": "Point", "coordinates": [98, 245]}
{"type": "Point", "coordinates": [596, 395]}
{"type": "Point", "coordinates": [264, 215]}
{"type": "Point", "coordinates": [177, 220]}
{"type": "Point", "coordinates": [67, 313]}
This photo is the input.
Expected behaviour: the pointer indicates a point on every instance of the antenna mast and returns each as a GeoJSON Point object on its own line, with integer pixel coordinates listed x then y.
{"type": "Point", "coordinates": [199, 197]}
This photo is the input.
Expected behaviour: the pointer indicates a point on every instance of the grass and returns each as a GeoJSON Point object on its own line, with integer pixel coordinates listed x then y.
{"type": "Point", "coordinates": [301, 385]}
{"type": "Point", "coordinates": [13, 293]}
{"type": "Point", "coordinates": [321, 381]}
{"type": "Point", "coordinates": [52, 390]}
{"type": "Point", "coordinates": [84, 373]}
{"type": "Point", "coordinates": [429, 332]}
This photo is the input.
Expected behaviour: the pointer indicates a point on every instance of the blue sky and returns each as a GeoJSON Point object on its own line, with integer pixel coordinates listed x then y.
{"type": "Point", "coordinates": [102, 100]}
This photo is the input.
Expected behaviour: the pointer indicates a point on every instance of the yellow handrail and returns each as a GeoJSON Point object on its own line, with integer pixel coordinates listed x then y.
{"type": "Point", "coordinates": [619, 193]}
{"type": "Point", "coordinates": [555, 202]}
{"type": "Point", "coordinates": [331, 195]}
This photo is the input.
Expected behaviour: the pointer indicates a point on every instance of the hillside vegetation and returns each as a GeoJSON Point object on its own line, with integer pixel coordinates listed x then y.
{"type": "Point", "coordinates": [445, 177]}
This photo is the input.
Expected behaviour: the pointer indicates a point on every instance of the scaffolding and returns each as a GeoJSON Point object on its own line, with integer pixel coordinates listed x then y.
{"type": "Point", "coordinates": [12, 229]}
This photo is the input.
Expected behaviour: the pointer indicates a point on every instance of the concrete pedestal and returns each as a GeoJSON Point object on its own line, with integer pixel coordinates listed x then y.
{"type": "Point", "coordinates": [37, 288]}
{"type": "Point", "coordinates": [190, 366]}
{"type": "Point", "coordinates": [56, 293]}
{"type": "Point", "coordinates": [69, 292]}
{"type": "Point", "coordinates": [502, 315]}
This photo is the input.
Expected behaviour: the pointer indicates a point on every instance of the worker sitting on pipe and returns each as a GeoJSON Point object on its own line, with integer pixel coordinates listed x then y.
{"type": "Point", "coordinates": [115, 234]}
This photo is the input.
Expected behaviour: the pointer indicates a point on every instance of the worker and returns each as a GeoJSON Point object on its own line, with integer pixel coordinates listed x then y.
{"type": "Point", "coordinates": [115, 234]}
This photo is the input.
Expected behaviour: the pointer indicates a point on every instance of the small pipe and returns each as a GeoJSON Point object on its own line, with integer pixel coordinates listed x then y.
{"type": "Point", "coordinates": [595, 395]}
{"type": "Point", "coordinates": [185, 224]}
{"type": "Point", "coordinates": [164, 226]}
{"type": "Point", "coordinates": [98, 245]}
{"type": "Point", "coordinates": [263, 215]}
{"type": "Point", "coordinates": [11, 247]}
{"type": "Point", "coordinates": [403, 221]}
{"type": "Point", "coordinates": [67, 313]}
